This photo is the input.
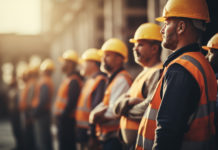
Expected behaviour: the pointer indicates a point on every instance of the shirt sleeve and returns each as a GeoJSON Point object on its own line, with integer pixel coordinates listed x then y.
{"type": "Point", "coordinates": [43, 99]}
{"type": "Point", "coordinates": [137, 111]}
{"type": "Point", "coordinates": [73, 94]}
{"type": "Point", "coordinates": [180, 96]}
{"type": "Point", "coordinates": [120, 87]}
{"type": "Point", "coordinates": [98, 94]}
{"type": "Point", "coordinates": [30, 95]}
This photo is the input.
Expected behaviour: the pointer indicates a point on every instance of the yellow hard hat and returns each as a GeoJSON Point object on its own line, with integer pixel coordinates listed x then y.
{"type": "Point", "coordinates": [213, 43]}
{"type": "Point", "coordinates": [47, 64]}
{"type": "Point", "coordinates": [91, 54]}
{"type": "Point", "coordinates": [194, 9]}
{"type": "Point", "coordinates": [70, 55]}
{"type": "Point", "coordinates": [117, 46]}
{"type": "Point", "coordinates": [147, 31]}
{"type": "Point", "coordinates": [34, 68]}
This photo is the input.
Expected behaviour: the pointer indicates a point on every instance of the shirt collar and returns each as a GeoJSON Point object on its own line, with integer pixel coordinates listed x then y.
{"type": "Point", "coordinates": [114, 74]}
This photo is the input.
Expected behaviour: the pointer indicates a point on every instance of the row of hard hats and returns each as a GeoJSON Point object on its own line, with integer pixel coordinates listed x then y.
{"type": "Point", "coordinates": [47, 64]}
{"type": "Point", "coordinates": [148, 31]}
{"type": "Point", "coordinates": [193, 9]}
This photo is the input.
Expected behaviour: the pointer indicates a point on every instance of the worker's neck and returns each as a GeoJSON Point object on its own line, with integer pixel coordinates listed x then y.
{"type": "Point", "coordinates": [152, 62]}
{"type": "Point", "coordinates": [94, 72]}
{"type": "Point", "coordinates": [185, 40]}
{"type": "Point", "coordinates": [70, 73]}
{"type": "Point", "coordinates": [115, 69]}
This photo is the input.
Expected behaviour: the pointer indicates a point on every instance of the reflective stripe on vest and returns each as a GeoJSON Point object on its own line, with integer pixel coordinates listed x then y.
{"type": "Point", "coordinates": [85, 100]}
{"type": "Point", "coordinates": [201, 127]}
{"type": "Point", "coordinates": [104, 130]}
{"type": "Point", "coordinates": [26, 101]}
{"type": "Point", "coordinates": [44, 80]}
{"type": "Point", "coordinates": [129, 128]}
{"type": "Point", "coordinates": [62, 97]}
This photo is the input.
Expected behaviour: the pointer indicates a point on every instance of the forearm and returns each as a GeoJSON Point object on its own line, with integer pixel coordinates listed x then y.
{"type": "Point", "coordinates": [121, 105]}
{"type": "Point", "coordinates": [137, 111]}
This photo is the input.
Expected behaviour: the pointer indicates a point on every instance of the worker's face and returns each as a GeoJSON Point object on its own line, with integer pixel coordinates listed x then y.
{"type": "Point", "coordinates": [109, 61]}
{"type": "Point", "coordinates": [143, 52]}
{"type": "Point", "coordinates": [169, 34]}
{"type": "Point", "coordinates": [212, 57]}
{"type": "Point", "coordinates": [68, 66]}
{"type": "Point", "coordinates": [87, 67]}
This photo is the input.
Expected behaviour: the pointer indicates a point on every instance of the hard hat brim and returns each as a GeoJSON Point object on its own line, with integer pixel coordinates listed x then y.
{"type": "Point", "coordinates": [160, 19]}
{"type": "Point", "coordinates": [61, 59]}
{"type": "Point", "coordinates": [132, 40]}
{"type": "Point", "coordinates": [206, 48]}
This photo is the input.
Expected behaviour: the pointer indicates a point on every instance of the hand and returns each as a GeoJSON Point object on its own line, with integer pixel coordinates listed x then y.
{"type": "Point", "coordinates": [97, 114]}
{"type": "Point", "coordinates": [134, 101]}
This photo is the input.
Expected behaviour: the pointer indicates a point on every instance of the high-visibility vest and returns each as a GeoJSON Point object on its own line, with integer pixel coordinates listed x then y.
{"type": "Point", "coordinates": [85, 101]}
{"type": "Point", "coordinates": [26, 103]}
{"type": "Point", "coordinates": [201, 123]}
{"type": "Point", "coordinates": [23, 97]}
{"type": "Point", "coordinates": [103, 131]}
{"type": "Point", "coordinates": [129, 128]}
{"type": "Point", "coordinates": [62, 96]}
{"type": "Point", "coordinates": [44, 80]}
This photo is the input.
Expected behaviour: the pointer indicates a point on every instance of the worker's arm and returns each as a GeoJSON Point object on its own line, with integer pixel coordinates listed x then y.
{"type": "Point", "coordinates": [98, 94]}
{"type": "Point", "coordinates": [43, 100]}
{"type": "Point", "coordinates": [120, 87]}
{"type": "Point", "coordinates": [97, 113]}
{"type": "Point", "coordinates": [137, 111]}
{"type": "Point", "coordinates": [134, 108]}
{"type": "Point", "coordinates": [180, 96]}
{"type": "Point", "coordinates": [97, 97]}
{"type": "Point", "coordinates": [73, 94]}
{"type": "Point", "coordinates": [30, 95]}
{"type": "Point", "coordinates": [104, 113]}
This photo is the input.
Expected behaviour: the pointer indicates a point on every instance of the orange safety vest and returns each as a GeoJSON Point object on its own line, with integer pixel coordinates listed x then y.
{"type": "Point", "coordinates": [201, 123]}
{"type": "Point", "coordinates": [47, 81]}
{"type": "Point", "coordinates": [103, 131]}
{"type": "Point", "coordinates": [24, 103]}
{"type": "Point", "coordinates": [62, 97]}
{"type": "Point", "coordinates": [85, 100]}
{"type": "Point", "coordinates": [23, 97]}
{"type": "Point", "coordinates": [129, 128]}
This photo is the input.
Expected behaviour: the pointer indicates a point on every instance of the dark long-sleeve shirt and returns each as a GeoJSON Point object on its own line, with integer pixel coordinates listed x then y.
{"type": "Point", "coordinates": [98, 94]}
{"type": "Point", "coordinates": [43, 101]}
{"type": "Point", "coordinates": [180, 95]}
{"type": "Point", "coordinates": [73, 94]}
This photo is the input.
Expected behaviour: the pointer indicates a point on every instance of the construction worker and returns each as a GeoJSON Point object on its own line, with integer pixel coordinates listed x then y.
{"type": "Point", "coordinates": [132, 105]}
{"type": "Point", "coordinates": [115, 53]}
{"type": "Point", "coordinates": [181, 114]}
{"type": "Point", "coordinates": [90, 96]}
{"type": "Point", "coordinates": [66, 101]}
{"type": "Point", "coordinates": [23, 94]}
{"type": "Point", "coordinates": [41, 106]}
{"type": "Point", "coordinates": [15, 116]}
{"type": "Point", "coordinates": [29, 121]}
{"type": "Point", "coordinates": [212, 56]}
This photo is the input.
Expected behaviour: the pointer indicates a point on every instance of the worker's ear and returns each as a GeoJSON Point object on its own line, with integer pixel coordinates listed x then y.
{"type": "Point", "coordinates": [181, 27]}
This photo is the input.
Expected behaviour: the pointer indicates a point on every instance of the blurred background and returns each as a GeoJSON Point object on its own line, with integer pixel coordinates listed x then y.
{"type": "Point", "coordinates": [39, 29]}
